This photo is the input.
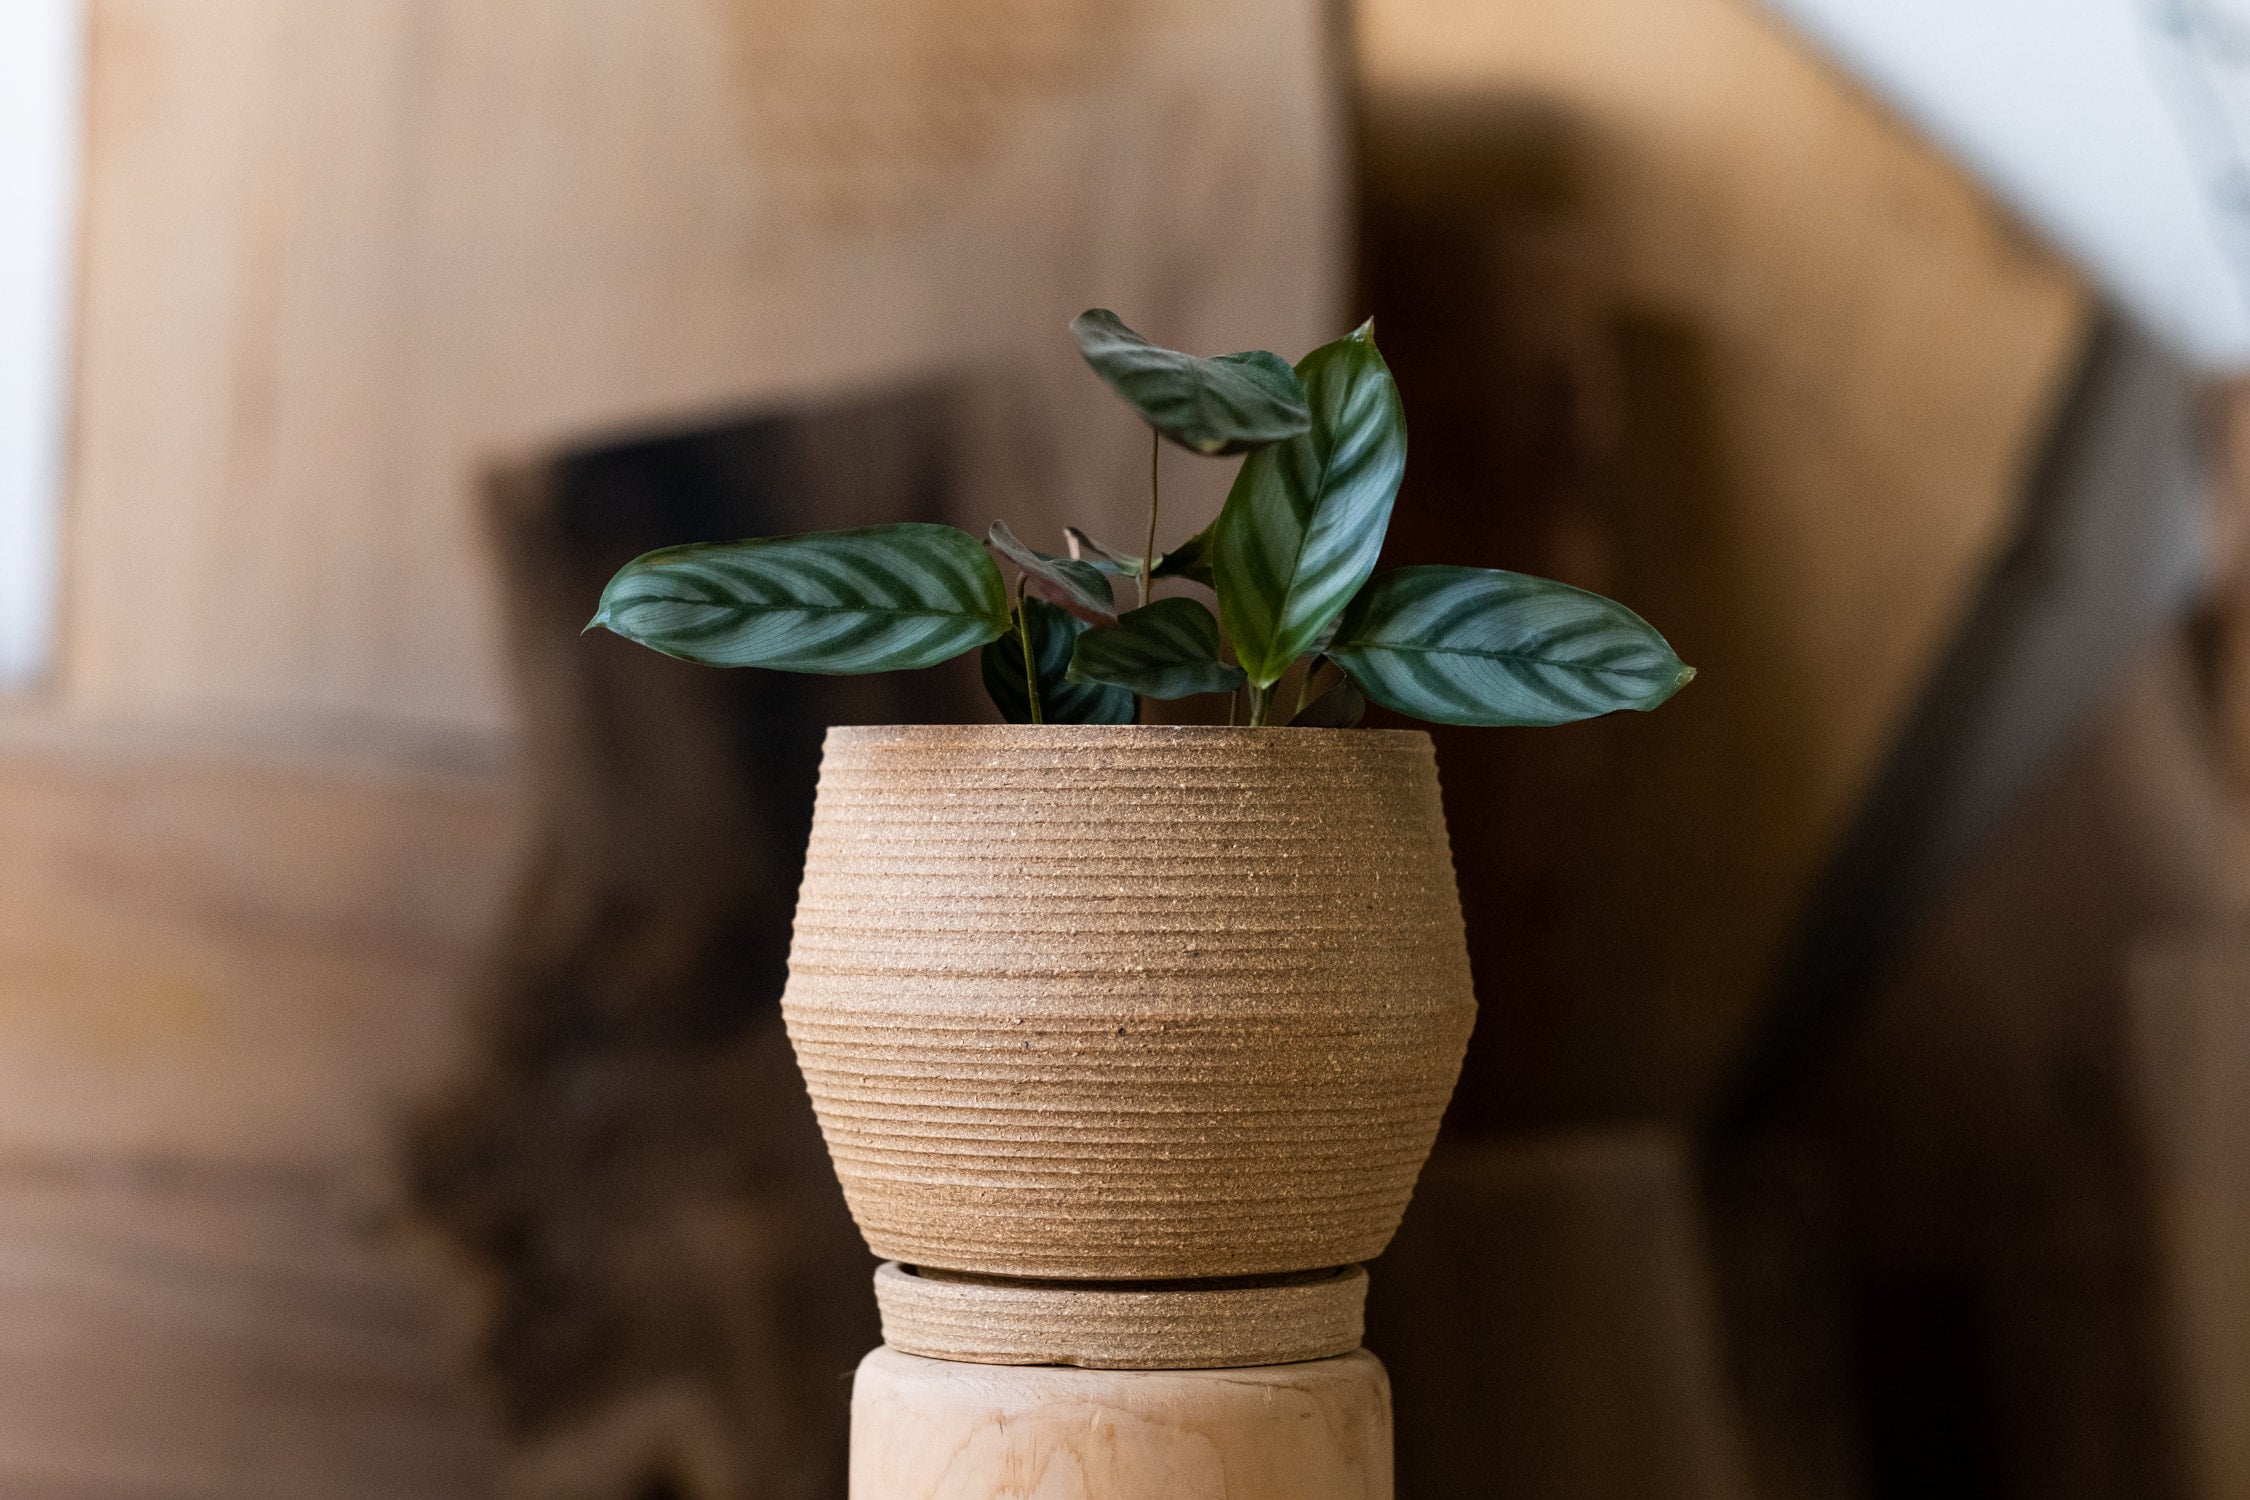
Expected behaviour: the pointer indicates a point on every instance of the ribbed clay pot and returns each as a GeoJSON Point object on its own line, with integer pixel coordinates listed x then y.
{"type": "Point", "coordinates": [1128, 1003]}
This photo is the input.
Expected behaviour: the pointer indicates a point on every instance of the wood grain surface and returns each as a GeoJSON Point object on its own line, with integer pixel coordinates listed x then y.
{"type": "Point", "coordinates": [220, 974]}
{"type": "Point", "coordinates": [926, 1429]}
{"type": "Point", "coordinates": [339, 259]}
{"type": "Point", "coordinates": [1683, 316]}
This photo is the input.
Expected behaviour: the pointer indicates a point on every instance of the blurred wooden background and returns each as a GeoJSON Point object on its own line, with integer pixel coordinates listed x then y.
{"type": "Point", "coordinates": [1761, 362]}
{"type": "Point", "coordinates": [339, 263]}
{"type": "Point", "coordinates": [1680, 313]}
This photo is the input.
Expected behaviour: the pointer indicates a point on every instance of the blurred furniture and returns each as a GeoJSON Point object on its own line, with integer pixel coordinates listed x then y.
{"type": "Point", "coordinates": [1681, 315]}
{"type": "Point", "coordinates": [220, 977]}
{"type": "Point", "coordinates": [2190, 1087]}
{"type": "Point", "coordinates": [337, 259]}
{"type": "Point", "coordinates": [2104, 558]}
{"type": "Point", "coordinates": [265, 812]}
{"type": "Point", "coordinates": [1549, 1318]}
{"type": "Point", "coordinates": [1964, 846]}
{"type": "Point", "coordinates": [2188, 989]}
{"type": "Point", "coordinates": [1701, 328]}
{"type": "Point", "coordinates": [1686, 319]}
{"type": "Point", "coordinates": [672, 1296]}
{"type": "Point", "coordinates": [2001, 1244]}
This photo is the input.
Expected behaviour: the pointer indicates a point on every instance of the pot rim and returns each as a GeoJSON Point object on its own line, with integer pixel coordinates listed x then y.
{"type": "Point", "coordinates": [1032, 734]}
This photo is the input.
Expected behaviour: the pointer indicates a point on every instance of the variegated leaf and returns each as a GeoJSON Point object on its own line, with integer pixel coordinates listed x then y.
{"type": "Point", "coordinates": [1303, 524]}
{"type": "Point", "coordinates": [1229, 404]}
{"type": "Point", "coordinates": [1062, 700]}
{"type": "Point", "coordinates": [1077, 586]}
{"type": "Point", "coordinates": [1169, 649]}
{"type": "Point", "coordinates": [1480, 646]}
{"type": "Point", "coordinates": [878, 599]}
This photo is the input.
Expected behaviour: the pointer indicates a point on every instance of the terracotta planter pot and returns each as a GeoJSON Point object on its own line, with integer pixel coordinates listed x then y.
{"type": "Point", "coordinates": [1128, 1003]}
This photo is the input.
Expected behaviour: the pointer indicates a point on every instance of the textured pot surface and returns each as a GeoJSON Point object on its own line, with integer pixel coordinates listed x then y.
{"type": "Point", "coordinates": [1128, 1002]}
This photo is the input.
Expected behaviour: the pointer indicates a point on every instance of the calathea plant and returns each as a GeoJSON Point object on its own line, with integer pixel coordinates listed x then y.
{"type": "Point", "coordinates": [1290, 559]}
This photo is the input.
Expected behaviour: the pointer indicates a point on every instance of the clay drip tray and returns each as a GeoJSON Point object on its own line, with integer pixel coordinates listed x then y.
{"type": "Point", "coordinates": [1122, 1325]}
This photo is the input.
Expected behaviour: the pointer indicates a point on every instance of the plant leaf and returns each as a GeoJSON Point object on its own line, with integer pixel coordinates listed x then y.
{"type": "Point", "coordinates": [1085, 549]}
{"type": "Point", "coordinates": [1305, 519]}
{"type": "Point", "coordinates": [1340, 707]}
{"type": "Point", "coordinates": [878, 599]}
{"type": "Point", "coordinates": [1062, 700]}
{"type": "Point", "coordinates": [1479, 646]}
{"type": "Point", "coordinates": [1230, 404]}
{"type": "Point", "coordinates": [1168, 649]}
{"type": "Point", "coordinates": [1077, 586]}
{"type": "Point", "coordinates": [1190, 560]}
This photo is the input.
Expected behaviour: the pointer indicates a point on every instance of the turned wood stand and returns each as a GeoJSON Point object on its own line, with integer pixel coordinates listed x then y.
{"type": "Point", "coordinates": [989, 1389]}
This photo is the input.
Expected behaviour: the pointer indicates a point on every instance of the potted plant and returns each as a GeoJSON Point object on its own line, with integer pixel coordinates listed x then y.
{"type": "Point", "coordinates": [1082, 997]}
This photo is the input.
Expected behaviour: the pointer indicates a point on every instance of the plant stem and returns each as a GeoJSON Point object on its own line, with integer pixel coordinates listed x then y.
{"type": "Point", "coordinates": [1023, 638]}
{"type": "Point", "coordinates": [1261, 698]}
{"type": "Point", "coordinates": [1148, 551]}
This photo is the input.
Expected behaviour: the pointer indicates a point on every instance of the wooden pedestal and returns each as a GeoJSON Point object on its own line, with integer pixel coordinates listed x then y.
{"type": "Point", "coordinates": [930, 1429]}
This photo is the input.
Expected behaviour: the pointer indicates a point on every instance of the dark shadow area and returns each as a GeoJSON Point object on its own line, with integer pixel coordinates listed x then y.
{"type": "Point", "coordinates": [633, 1172]}
{"type": "Point", "coordinates": [1561, 430]}
{"type": "Point", "coordinates": [1929, 1271]}
{"type": "Point", "coordinates": [1923, 1378]}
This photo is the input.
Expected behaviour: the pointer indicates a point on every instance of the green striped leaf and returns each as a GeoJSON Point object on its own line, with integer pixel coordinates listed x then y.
{"type": "Point", "coordinates": [1077, 586]}
{"type": "Point", "coordinates": [1062, 700]}
{"type": "Point", "coordinates": [1230, 404]}
{"type": "Point", "coordinates": [1305, 519]}
{"type": "Point", "coordinates": [1479, 646]}
{"type": "Point", "coordinates": [879, 599]}
{"type": "Point", "coordinates": [1169, 649]}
